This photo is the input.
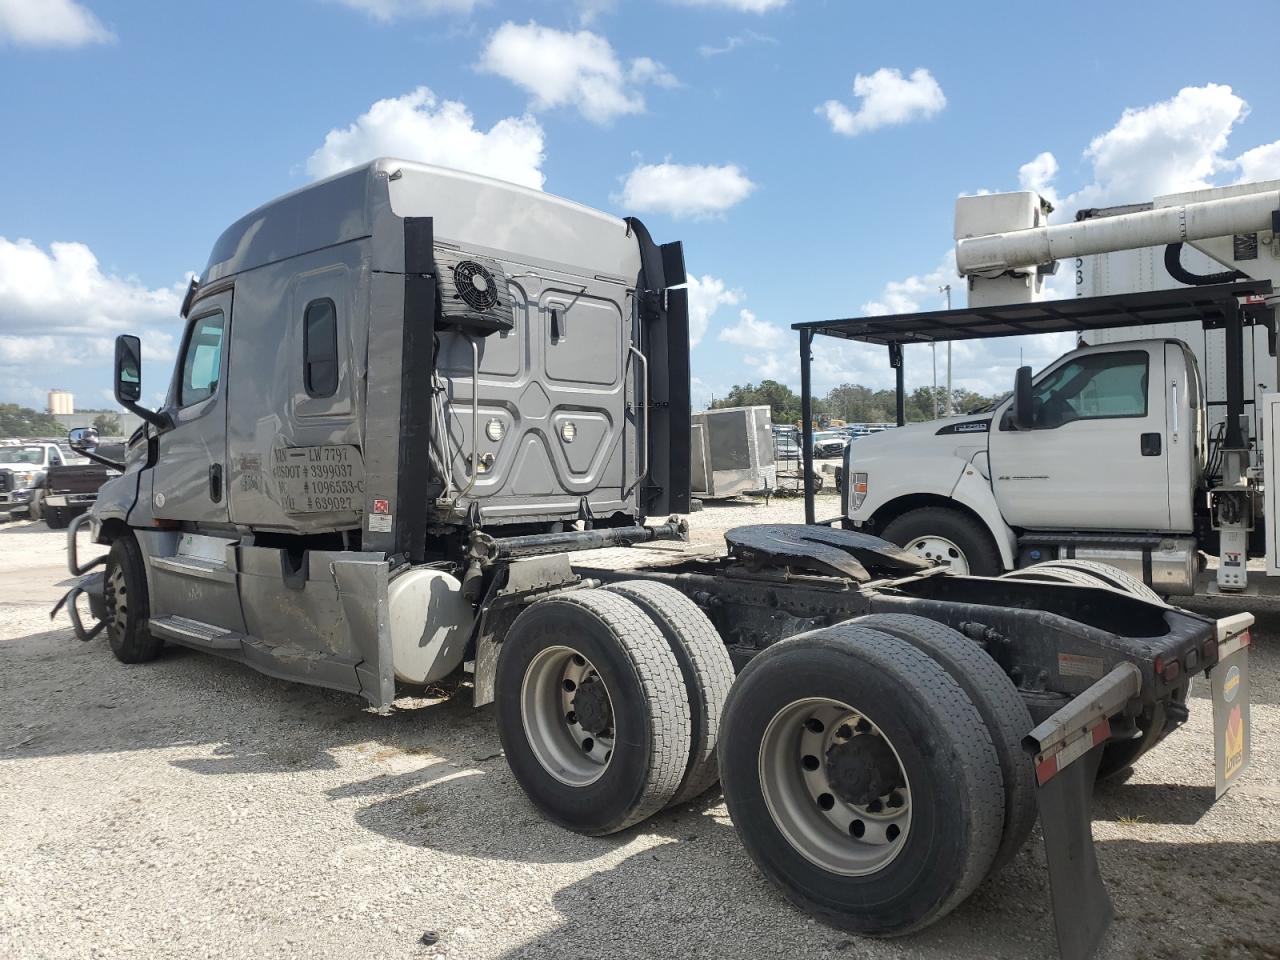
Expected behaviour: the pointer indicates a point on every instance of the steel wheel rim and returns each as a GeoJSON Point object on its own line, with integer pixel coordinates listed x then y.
{"type": "Point", "coordinates": [937, 549]}
{"type": "Point", "coordinates": [835, 834]}
{"type": "Point", "coordinates": [574, 750]}
{"type": "Point", "coordinates": [119, 611]}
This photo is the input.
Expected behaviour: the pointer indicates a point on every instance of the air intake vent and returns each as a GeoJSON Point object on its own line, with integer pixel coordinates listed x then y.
{"type": "Point", "coordinates": [473, 293]}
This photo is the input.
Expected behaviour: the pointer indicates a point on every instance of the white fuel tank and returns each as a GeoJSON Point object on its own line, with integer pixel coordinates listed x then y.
{"type": "Point", "coordinates": [430, 623]}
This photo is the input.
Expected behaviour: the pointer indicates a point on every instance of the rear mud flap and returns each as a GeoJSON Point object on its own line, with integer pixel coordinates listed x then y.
{"type": "Point", "coordinates": [1066, 750]}
{"type": "Point", "coordinates": [1082, 908]}
{"type": "Point", "coordinates": [1229, 683]}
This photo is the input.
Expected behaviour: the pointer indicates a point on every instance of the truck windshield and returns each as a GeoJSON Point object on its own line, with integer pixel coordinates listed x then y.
{"type": "Point", "coordinates": [21, 454]}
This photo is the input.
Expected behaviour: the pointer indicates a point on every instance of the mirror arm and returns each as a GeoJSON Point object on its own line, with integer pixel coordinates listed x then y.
{"type": "Point", "coordinates": [157, 418]}
{"type": "Point", "coordinates": [106, 462]}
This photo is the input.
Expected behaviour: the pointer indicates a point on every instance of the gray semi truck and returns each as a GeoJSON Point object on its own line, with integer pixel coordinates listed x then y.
{"type": "Point", "coordinates": [408, 405]}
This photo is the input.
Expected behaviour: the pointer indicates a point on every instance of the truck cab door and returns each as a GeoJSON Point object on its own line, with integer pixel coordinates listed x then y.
{"type": "Point", "coordinates": [1096, 456]}
{"type": "Point", "coordinates": [190, 473]}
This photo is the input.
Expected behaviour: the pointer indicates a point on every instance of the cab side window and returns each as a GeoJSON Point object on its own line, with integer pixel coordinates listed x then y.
{"type": "Point", "coordinates": [1095, 387]}
{"type": "Point", "coordinates": [202, 360]}
{"type": "Point", "coordinates": [320, 348]}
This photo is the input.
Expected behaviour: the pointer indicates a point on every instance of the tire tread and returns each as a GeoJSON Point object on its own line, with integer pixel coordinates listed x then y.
{"type": "Point", "coordinates": [706, 668]}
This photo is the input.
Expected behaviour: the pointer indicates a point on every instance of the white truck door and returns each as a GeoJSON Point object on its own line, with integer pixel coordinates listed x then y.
{"type": "Point", "coordinates": [1096, 457]}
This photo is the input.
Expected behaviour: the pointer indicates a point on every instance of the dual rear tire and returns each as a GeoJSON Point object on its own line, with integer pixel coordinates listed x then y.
{"type": "Point", "coordinates": [873, 772]}
{"type": "Point", "coordinates": [609, 702]}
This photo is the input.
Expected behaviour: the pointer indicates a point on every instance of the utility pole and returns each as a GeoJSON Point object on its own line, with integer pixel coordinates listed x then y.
{"type": "Point", "coordinates": [934, 348]}
{"type": "Point", "coordinates": [946, 288]}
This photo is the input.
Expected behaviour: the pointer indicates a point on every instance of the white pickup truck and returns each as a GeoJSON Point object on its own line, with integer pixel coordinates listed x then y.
{"type": "Point", "coordinates": [1105, 457]}
{"type": "Point", "coordinates": [23, 468]}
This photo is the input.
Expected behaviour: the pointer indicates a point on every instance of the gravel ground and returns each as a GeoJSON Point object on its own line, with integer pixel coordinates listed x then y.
{"type": "Point", "coordinates": [193, 808]}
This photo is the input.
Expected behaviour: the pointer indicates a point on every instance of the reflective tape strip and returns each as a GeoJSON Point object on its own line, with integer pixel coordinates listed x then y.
{"type": "Point", "coordinates": [1050, 764]}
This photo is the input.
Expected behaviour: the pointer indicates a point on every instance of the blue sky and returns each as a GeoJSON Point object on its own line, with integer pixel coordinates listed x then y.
{"type": "Point", "coordinates": [132, 133]}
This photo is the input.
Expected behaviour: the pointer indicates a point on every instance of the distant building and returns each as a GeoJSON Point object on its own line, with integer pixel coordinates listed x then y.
{"type": "Point", "coordinates": [61, 401]}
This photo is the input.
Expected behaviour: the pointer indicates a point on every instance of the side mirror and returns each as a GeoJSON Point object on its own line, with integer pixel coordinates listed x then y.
{"type": "Point", "coordinates": [83, 439]}
{"type": "Point", "coordinates": [1023, 415]}
{"type": "Point", "coordinates": [128, 386]}
{"type": "Point", "coordinates": [128, 380]}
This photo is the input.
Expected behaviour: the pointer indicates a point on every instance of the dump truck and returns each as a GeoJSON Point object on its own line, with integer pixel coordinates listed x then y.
{"type": "Point", "coordinates": [413, 415]}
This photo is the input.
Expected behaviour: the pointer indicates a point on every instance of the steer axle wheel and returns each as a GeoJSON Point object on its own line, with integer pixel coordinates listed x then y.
{"type": "Point", "coordinates": [862, 779]}
{"type": "Point", "coordinates": [946, 536]}
{"type": "Point", "coordinates": [592, 711]}
{"type": "Point", "coordinates": [128, 606]}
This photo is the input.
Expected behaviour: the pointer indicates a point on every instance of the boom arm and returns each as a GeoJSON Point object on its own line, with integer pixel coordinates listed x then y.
{"type": "Point", "coordinates": [1031, 247]}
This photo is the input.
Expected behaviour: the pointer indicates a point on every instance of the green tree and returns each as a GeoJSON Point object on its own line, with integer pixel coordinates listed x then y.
{"type": "Point", "coordinates": [782, 401]}
{"type": "Point", "coordinates": [19, 421]}
{"type": "Point", "coordinates": [107, 425]}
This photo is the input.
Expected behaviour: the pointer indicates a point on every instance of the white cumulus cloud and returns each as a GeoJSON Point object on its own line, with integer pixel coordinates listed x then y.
{"type": "Point", "coordinates": [763, 346]}
{"type": "Point", "coordinates": [707, 294]}
{"type": "Point", "coordinates": [60, 312]}
{"type": "Point", "coordinates": [887, 98]}
{"type": "Point", "coordinates": [1260, 163]}
{"type": "Point", "coordinates": [1167, 147]}
{"type": "Point", "coordinates": [918, 291]}
{"type": "Point", "coordinates": [684, 190]}
{"type": "Point", "coordinates": [50, 23]}
{"type": "Point", "coordinates": [63, 290]}
{"type": "Point", "coordinates": [745, 6]}
{"type": "Point", "coordinates": [580, 70]}
{"type": "Point", "coordinates": [419, 126]}
{"type": "Point", "coordinates": [388, 10]}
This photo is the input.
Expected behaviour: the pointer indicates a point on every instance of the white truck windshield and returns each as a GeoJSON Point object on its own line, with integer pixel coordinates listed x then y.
{"type": "Point", "coordinates": [33, 455]}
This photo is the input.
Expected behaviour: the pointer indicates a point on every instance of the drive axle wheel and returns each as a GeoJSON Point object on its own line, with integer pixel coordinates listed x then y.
{"type": "Point", "coordinates": [706, 668]}
{"type": "Point", "coordinates": [567, 715]}
{"type": "Point", "coordinates": [592, 711]}
{"type": "Point", "coordinates": [823, 765]}
{"type": "Point", "coordinates": [861, 778]}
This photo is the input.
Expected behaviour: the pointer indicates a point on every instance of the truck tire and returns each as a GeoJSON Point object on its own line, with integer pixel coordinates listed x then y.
{"type": "Point", "coordinates": [704, 665]}
{"type": "Point", "coordinates": [906, 761]}
{"type": "Point", "coordinates": [35, 509]}
{"type": "Point", "coordinates": [946, 535]}
{"type": "Point", "coordinates": [592, 711]}
{"type": "Point", "coordinates": [55, 518]}
{"type": "Point", "coordinates": [127, 603]}
{"type": "Point", "coordinates": [1111, 576]}
{"type": "Point", "coordinates": [996, 698]}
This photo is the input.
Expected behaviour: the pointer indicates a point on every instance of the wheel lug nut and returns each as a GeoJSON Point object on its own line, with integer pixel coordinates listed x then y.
{"type": "Point", "coordinates": [571, 717]}
{"type": "Point", "coordinates": [895, 800]}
